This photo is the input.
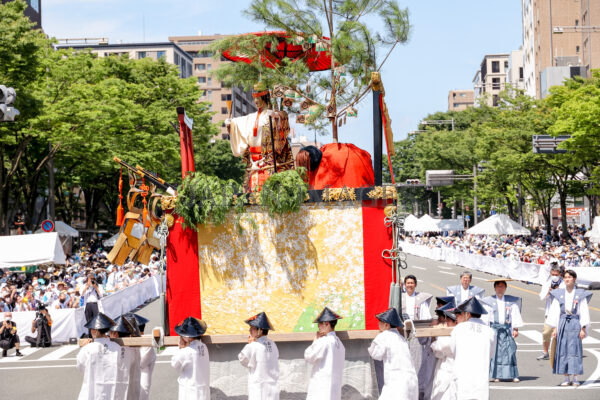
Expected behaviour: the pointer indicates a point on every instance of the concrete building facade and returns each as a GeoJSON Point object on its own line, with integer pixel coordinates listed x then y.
{"type": "Point", "coordinates": [33, 11]}
{"type": "Point", "coordinates": [459, 100]}
{"type": "Point", "coordinates": [515, 74]}
{"type": "Point", "coordinates": [172, 53]}
{"type": "Point", "coordinates": [557, 34]}
{"type": "Point", "coordinates": [490, 80]}
{"type": "Point", "coordinates": [214, 91]}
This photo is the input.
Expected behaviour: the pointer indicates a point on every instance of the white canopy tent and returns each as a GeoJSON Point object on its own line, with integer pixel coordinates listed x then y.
{"type": "Point", "coordinates": [451, 224]}
{"type": "Point", "coordinates": [21, 250]}
{"type": "Point", "coordinates": [62, 229]}
{"type": "Point", "coordinates": [411, 223]}
{"type": "Point", "coordinates": [428, 224]}
{"type": "Point", "coordinates": [498, 224]}
{"type": "Point", "coordinates": [594, 234]}
{"type": "Point", "coordinates": [110, 242]}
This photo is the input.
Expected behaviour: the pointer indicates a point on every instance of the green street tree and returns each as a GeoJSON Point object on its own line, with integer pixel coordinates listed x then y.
{"type": "Point", "coordinates": [338, 27]}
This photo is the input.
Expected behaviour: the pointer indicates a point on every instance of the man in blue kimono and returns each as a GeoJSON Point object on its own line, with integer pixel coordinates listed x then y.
{"type": "Point", "coordinates": [464, 291]}
{"type": "Point", "coordinates": [570, 317]}
{"type": "Point", "coordinates": [504, 316]}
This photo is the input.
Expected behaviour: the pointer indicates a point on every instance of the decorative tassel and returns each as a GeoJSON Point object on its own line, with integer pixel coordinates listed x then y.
{"type": "Point", "coordinates": [145, 189]}
{"type": "Point", "coordinates": [120, 211]}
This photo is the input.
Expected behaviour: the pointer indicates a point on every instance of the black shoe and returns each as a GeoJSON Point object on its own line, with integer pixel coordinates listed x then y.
{"type": "Point", "coordinates": [4, 353]}
{"type": "Point", "coordinates": [18, 354]}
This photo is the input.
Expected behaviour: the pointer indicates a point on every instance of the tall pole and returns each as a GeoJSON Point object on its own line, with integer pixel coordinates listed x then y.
{"type": "Point", "coordinates": [51, 205]}
{"type": "Point", "coordinates": [377, 138]}
{"type": "Point", "coordinates": [520, 206]}
{"type": "Point", "coordinates": [475, 194]}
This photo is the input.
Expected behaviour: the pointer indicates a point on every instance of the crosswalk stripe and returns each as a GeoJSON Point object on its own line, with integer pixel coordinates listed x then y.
{"type": "Point", "coordinates": [536, 336]}
{"type": "Point", "coordinates": [590, 340]}
{"type": "Point", "coordinates": [596, 330]}
{"type": "Point", "coordinates": [26, 351]}
{"type": "Point", "coordinates": [58, 353]}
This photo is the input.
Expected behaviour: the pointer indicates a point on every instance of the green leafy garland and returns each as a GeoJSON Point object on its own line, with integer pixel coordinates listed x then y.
{"type": "Point", "coordinates": [204, 199]}
{"type": "Point", "coordinates": [284, 192]}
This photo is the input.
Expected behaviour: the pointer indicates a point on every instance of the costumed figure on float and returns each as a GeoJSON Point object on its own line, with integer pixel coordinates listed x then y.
{"type": "Point", "coordinates": [260, 138]}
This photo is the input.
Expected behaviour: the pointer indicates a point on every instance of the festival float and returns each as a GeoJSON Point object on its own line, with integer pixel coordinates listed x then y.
{"type": "Point", "coordinates": [294, 238]}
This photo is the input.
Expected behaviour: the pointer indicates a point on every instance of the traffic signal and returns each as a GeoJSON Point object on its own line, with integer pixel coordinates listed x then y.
{"type": "Point", "coordinates": [7, 97]}
{"type": "Point", "coordinates": [413, 181]}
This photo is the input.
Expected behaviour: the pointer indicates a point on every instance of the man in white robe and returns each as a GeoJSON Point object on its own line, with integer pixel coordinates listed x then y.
{"type": "Point", "coordinates": [261, 357]}
{"type": "Point", "coordinates": [128, 375]}
{"type": "Point", "coordinates": [99, 361]}
{"type": "Point", "coordinates": [444, 382]}
{"type": "Point", "coordinates": [472, 343]}
{"type": "Point", "coordinates": [400, 378]}
{"type": "Point", "coordinates": [191, 361]}
{"type": "Point", "coordinates": [326, 355]}
{"type": "Point", "coordinates": [147, 361]}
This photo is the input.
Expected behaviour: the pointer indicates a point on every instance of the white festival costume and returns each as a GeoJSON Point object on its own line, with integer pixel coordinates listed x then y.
{"type": "Point", "coordinates": [444, 382]}
{"type": "Point", "coordinates": [326, 355]}
{"type": "Point", "coordinates": [194, 371]}
{"type": "Point", "coordinates": [133, 388]}
{"type": "Point", "coordinates": [242, 132]}
{"type": "Point", "coordinates": [147, 361]}
{"type": "Point", "coordinates": [99, 361]}
{"type": "Point", "coordinates": [261, 357]}
{"type": "Point", "coordinates": [472, 344]}
{"type": "Point", "coordinates": [399, 374]}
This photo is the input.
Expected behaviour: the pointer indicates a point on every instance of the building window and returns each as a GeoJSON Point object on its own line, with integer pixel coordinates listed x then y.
{"type": "Point", "coordinates": [495, 66]}
{"type": "Point", "coordinates": [505, 64]}
{"type": "Point", "coordinates": [224, 110]}
{"type": "Point", "coordinates": [495, 99]}
{"type": "Point", "coordinates": [160, 54]}
{"type": "Point", "coordinates": [520, 72]}
{"type": "Point", "coordinates": [463, 94]}
{"type": "Point", "coordinates": [209, 81]}
{"type": "Point", "coordinates": [496, 83]}
{"type": "Point", "coordinates": [176, 59]}
{"type": "Point", "coordinates": [141, 54]}
{"type": "Point", "coordinates": [576, 22]}
{"type": "Point", "coordinates": [201, 79]}
{"type": "Point", "coordinates": [35, 4]}
{"type": "Point", "coordinates": [200, 67]}
{"type": "Point", "coordinates": [209, 93]}
{"type": "Point", "coordinates": [576, 49]}
{"type": "Point", "coordinates": [226, 97]}
{"type": "Point", "coordinates": [207, 66]}
{"type": "Point", "coordinates": [205, 54]}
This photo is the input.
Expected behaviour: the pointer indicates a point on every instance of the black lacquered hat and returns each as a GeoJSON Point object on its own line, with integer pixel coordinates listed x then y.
{"type": "Point", "coordinates": [391, 317]}
{"type": "Point", "coordinates": [260, 321]}
{"type": "Point", "coordinates": [139, 319]}
{"type": "Point", "coordinates": [445, 299]}
{"type": "Point", "coordinates": [126, 324]}
{"type": "Point", "coordinates": [447, 310]}
{"type": "Point", "coordinates": [326, 316]}
{"type": "Point", "coordinates": [472, 306]}
{"type": "Point", "coordinates": [100, 321]}
{"type": "Point", "coordinates": [191, 327]}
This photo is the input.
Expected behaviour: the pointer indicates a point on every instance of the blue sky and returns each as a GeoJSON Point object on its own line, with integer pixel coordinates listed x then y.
{"type": "Point", "coordinates": [447, 43]}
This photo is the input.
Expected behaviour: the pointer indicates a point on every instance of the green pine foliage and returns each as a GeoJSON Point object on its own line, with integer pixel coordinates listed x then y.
{"type": "Point", "coordinates": [284, 192]}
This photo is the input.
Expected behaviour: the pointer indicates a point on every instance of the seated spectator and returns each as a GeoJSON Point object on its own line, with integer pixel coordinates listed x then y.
{"type": "Point", "coordinates": [42, 324]}
{"type": "Point", "coordinates": [8, 335]}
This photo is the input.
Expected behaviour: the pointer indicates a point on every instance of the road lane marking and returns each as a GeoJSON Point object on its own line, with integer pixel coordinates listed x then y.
{"type": "Point", "coordinates": [26, 351]}
{"type": "Point", "coordinates": [517, 387]}
{"type": "Point", "coordinates": [596, 374]}
{"type": "Point", "coordinates": [443, 267]}
{"type": "Point", "coordinates": [479, 279]}
{"type": "Point", "coordinates": [524, 290]}
{"type": "Point", "coordinates": [536, 336]}
{"type": "Point", "coordinates": [590, 340]}
{"type": "Point", "coordinates": [414, 266]}
{"type": "Point", "coordinates": [447, 273]}
{"type": "Point", "coordinates": [58, 353]}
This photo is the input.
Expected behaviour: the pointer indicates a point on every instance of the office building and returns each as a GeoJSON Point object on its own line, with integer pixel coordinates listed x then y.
{"type": "Point", "coordinates": [459, 100]}
{"type": "Point", "coordinates": [172, 53]}
{"type": "Point", "coordinates": [515, 73]}
{"type": "Point", "coordinates": [490, 80]}
{"type": "Point", "coordinates": [33, 11]}
{"type": "Point", "coordinates": [226, 102]}
{"type": "Point", "coordinates": [561, 39]}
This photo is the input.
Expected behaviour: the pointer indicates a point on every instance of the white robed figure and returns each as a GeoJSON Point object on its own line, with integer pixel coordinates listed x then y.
{"type": "Point", "coordinates": [147, 362]}
{"type": "Point", "coordinates": [504, 317]}
{"type": "Point", "coordinates": [400, 378]}
{"type": "Point", "coordinates": [326, 355]}
{"type": "Point", "coordinates": [99, 361]}
{"type": "Point", "coordinates": [472, 343]}
{"type": "Point", "coordinates": [191, 361]}
{"type": "Point", "coordinates": [261, 357]}
{"type": "Point", "coordinates": [444, 381]}
{"type": "Point", "coordinates": [128, 375]}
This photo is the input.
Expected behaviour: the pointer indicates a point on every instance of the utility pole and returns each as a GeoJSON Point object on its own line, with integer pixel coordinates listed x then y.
{"type": "Point", "coordinates": [475, 194]}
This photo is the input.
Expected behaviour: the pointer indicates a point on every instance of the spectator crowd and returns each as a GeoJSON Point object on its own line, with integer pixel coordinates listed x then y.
{"type": "Point", "coordinates": [539, 248]}
{"type": "Point", "coordinates": [61, 286]}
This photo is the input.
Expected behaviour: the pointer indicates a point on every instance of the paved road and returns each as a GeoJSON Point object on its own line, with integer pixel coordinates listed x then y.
{"type": "Point", "coordinates": [52, 370]}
